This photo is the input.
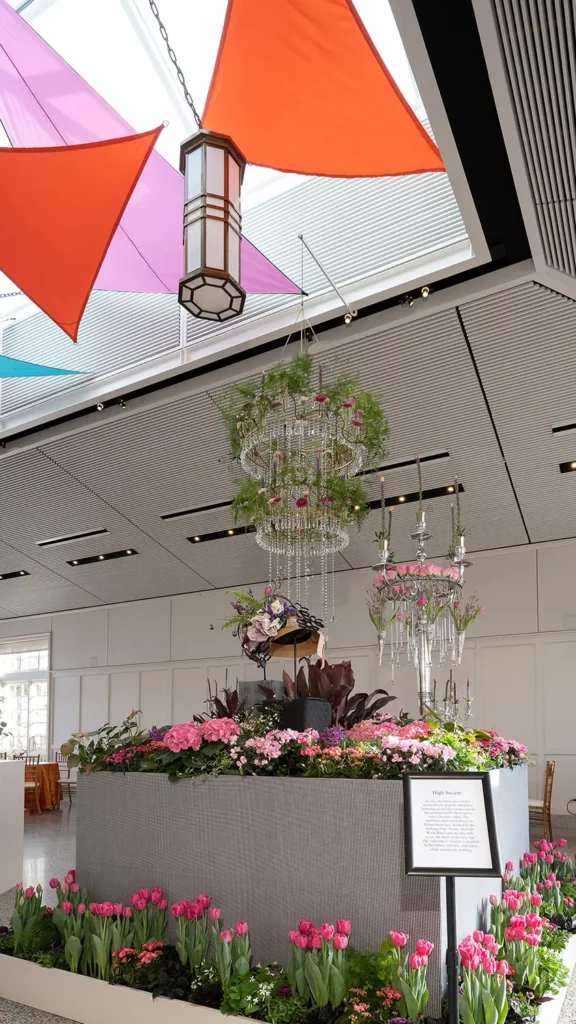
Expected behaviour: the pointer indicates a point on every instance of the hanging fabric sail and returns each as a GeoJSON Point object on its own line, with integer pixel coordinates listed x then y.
{"type": "Point", "coordinates": [44, 102]}
{"type": "Point", "coordinates": [54, 238]}
{"type": "Point", "coordinates": [300, 86]}
{"type": "Point", "coordinates": [18, 368]}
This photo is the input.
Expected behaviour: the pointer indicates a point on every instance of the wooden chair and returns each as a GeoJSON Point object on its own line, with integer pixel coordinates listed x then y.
{"type": "Point", "coordinates": [32, 763]}
{"type": "Point", "coordinates": [66, 783]}
{"type": "Point", "coordinates": [3, 756]}
{"type": "Point", "coordinates": [541, 810]}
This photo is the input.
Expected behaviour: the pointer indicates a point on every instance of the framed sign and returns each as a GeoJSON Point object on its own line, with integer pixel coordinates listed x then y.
{"type": "Point", "coordinates": [449, 825]}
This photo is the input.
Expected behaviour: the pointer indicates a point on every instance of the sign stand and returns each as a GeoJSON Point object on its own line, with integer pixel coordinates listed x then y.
{"type": "Point", "coordinates": [450, 830]}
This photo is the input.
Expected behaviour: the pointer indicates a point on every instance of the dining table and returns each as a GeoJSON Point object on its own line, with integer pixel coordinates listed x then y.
{"type": "Point", "coordinates": [49, 793]}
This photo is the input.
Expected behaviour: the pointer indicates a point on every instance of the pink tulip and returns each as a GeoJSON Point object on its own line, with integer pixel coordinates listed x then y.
{"type": "Point", "coordinates": [399, 938]}
{"type": "Point", "coordinates": [301, 941]}
{"type": "Point", "coordinates": [241, 928]}
{"type": "Point", "coordinates": [65, 886]}
{"type": "Point", "coordinates": [415, 962]}
{"type": "Point", "coordinates": [66, 907]}
{"type": "Point", "coordinates": [107, 909]}
{"type": "Point", "coordinates": [343, 927]}
{"type": "Point", "coordinates": [215, 913]}
{"type": "Point", "coordinates": [327, 932]}
{"type": "Point", "coordinates": [533, 940]}
{"type": "Point", "coordinates": [340, 941]}
{"type": "Point", "coordinates": [95, 909]}
{"type": "Point", "coordinates": [477, 936]}
{"type": "Point", "coordinates": [292, 935]}
{"type": "Point", "coordinates": [549, 858]}
{"type": "Point", "coordinates": [562, 842]}
{"type": "Point", "coordinates": [423, 947]}
{"type": "Point", "coordinates": [127, 912]}
{"type": "Point", "coordinates": [156, 895]}
{"type": "Point", "coordinates": [70, 877]}
{"type": "Point", "coordinates": [506, 877]}
{"type": "Point", "coordinates": [509, 865]}
{"type": "Point", "coordinates": [178, 909]}
{"type": "Point", "coordinates": [74, 887]}
{"type": "Point", "coordinates": [548, 884]}
{"type": "Point", "coordinates": [226, 935]}
{"type": "Point", "coordinates": [536, 900]}
{"type": "Point", "coordinates": [53, 883]}
{"type": "Point", "coordinates": [144, 894]}
{"type": "Point", "coordinates": [539, 886]}
{"type": "Point", "coordinates": [315, 941]}
{"type": "Point", "coordinates": [118, 908]}
{"type": "Point", "coordinates": [162, 905]}
{"type": "Point", "coordinates": [305, 926]}
{"type": "Point", "coordinates": [29, 892]}
{"type": "Point", "coordinates": [139, 903]}
{"type": "Point", "coordinates": [489, 965]}
{"type": "Point", "coordinates": [19, 887]}
{"type": "Point", "coordinates": [81, 908]}
{"type": "Point", "coordinates": [203, 900]}
{"type": "Point", "coordinates": [494, 901]}
{"type": "Point", "coordinates": [502, 967]}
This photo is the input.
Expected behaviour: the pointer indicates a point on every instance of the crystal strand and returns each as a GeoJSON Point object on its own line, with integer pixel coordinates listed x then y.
{"type": "Point", "coordinates": [333, 616]}
{"type": "Point", "coordinates": [306, 580]}
{"type": "Point", "coordinates": [270, 567]}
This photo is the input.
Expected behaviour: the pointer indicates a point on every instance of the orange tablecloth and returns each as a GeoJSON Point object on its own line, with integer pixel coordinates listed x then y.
{"type": "Point", "coordinates": [49, 794]}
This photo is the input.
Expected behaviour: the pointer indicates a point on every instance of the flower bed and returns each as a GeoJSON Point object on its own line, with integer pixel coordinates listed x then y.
{"type": "Point", "coordinates": [507, 972]}
{"type": "Point", "coordinates": [376, 748]}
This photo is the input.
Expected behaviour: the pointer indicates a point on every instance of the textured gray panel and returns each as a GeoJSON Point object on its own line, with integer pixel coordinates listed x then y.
{"type": "Point", "coordinates": [271, 851]}
{"type": "Point", "coordinates": [539, 47]}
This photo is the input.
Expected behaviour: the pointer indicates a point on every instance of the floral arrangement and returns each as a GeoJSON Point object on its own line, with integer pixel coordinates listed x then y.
{"type": "Point", "coordinates": [464, 616]}
{"type": "Point", "coordinates": [429, 570]}
{"type": "Point", "coordinates": [258, 621]}
{"type": "Point", "coordinates": [508, 969]}
{"type": "Point", "coordinates": [381, 747]}
{"type": "Point", "coordinates": [357, 423]}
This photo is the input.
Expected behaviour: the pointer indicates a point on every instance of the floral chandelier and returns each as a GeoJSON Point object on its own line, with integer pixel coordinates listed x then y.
{"type": "Point", "coordinates": [302, 442]}
{"type": "Point", "coordinates": [421, 601]}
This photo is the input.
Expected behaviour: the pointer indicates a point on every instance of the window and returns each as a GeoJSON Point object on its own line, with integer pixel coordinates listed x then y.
{"type": "Point", "coordinates": [24, 695]}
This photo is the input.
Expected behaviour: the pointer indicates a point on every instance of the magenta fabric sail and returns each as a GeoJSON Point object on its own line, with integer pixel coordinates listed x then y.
{"type": "Point", "coordinates": [44, 102]}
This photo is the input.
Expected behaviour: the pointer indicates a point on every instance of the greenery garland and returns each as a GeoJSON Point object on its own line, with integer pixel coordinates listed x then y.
{"type": "Point", "coordinates": [290, 387]}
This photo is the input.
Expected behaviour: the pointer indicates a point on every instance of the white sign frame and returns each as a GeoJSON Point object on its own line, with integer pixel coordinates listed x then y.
{"type": "Point", "coordinates": [478, 855]}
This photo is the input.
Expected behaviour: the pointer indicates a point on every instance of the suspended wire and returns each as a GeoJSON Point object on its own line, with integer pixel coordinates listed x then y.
{"type": "Point", "coordinates": [174, 59]}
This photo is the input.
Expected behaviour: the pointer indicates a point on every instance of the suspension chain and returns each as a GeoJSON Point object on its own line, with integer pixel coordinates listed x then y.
{"type": "Point", "coordinates": [174, 59]}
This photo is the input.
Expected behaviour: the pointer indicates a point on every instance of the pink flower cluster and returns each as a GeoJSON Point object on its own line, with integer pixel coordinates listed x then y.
{"type": "Point", "coordinates": [415, 751]}
{"type": "Point", "coordinates": [498, 745]}
{"type": "Point", "coordinates": [306, 936]}
{"type": "Point", "coordinates": [150, 952]}
{"type": "Point", "coordinates": [370, 730]}
{"type": "Point", "coordinates": [479, 950]}
{"type": "Point", "coordinates": [140, 900]}
{"type": "Point", "coordinates": [436, 571]}
{"type": "Point", "coordinates": [524, 928]}
{"type": "Point", "coordinates": [190, 736]}
{"type": "Point", "coordinates": [194, 911]}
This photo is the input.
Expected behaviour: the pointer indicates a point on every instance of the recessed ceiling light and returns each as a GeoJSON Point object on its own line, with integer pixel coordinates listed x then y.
{"type": "Point", "coordinates": [74, 563]}
{"type": "Point", "coordinates": [450, 489]}
{"type": "Point", "coordinates": [100, 558]}
{"type": "Point", "coordinates": [22, 573]}
{"type": "Point", "coordinates": [129, 552]}
{"type": "Point", "coordinates": [230, 532]}
{"type": "Point", "coordinates": [573, 465]}
{"type": "Point", "coordinates": [196, 538]}
{"type": "Point", "coordinates": [401, 498]}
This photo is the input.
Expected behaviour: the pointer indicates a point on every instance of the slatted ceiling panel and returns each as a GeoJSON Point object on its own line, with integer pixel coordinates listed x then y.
{"type": "Point", "coordinates": [524, 343]}
{"type": "Point", "coordinates": [118, 329]}
{"type": "Point", "coordinates": [539, 46]}
{"type": "Point", "coordinates": [403, 217]}
{"type": "Point", "coordinates": [36, 598]}
{"type": "Point", "coordinates": [153, 572]}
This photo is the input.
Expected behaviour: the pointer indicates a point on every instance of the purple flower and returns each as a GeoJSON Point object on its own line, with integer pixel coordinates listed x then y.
{"type": "Point", "coordinates": [156, 735]}
{"type": "Point", "coordinates": [333, 736]}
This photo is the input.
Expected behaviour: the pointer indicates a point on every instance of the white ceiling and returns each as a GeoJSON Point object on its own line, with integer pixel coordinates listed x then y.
{"type": "Point", "coordinates": [124, 472]}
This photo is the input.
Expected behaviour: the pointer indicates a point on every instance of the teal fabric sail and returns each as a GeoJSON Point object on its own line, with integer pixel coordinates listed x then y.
{"type": "Point", "coordinates": [18, 368]}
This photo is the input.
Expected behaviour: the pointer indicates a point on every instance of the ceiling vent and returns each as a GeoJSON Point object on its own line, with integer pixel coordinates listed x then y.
{"type": "Point", "coordinates": [70, 538]}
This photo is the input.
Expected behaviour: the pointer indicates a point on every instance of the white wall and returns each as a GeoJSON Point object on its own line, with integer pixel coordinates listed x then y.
{"type": "Point", "coordinates": [156, 655]}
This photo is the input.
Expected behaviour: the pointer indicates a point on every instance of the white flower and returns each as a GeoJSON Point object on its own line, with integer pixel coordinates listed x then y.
{"type": "Point", "coordinates": [277, 606]}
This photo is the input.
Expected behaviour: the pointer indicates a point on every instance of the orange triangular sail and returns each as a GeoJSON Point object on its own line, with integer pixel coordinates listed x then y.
{"type": "Point", "coordinates": [299, 86]}
{"type": "Point", "coordinates": [59, 209]}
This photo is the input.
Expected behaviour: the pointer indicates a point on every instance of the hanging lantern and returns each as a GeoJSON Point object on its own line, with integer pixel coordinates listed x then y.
{"type": "Point", "coordinates": [213, 169]}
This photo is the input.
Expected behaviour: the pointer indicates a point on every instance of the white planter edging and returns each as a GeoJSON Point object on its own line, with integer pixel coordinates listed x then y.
{"type": "Point", "coordinates": [550, 1012]}
{"type": "Point", "coordinates": [89, 1001]}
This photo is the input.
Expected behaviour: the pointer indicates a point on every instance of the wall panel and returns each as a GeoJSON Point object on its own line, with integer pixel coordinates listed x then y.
{"type": "Point", "coordinates": [94, 706]}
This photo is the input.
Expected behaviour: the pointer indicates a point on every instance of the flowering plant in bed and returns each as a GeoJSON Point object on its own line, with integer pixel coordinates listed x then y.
{"type": "Point", "coordinates": [378, 748]}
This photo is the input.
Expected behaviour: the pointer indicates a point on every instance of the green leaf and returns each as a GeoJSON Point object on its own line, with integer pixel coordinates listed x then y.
{"type": "Point", "coordinates": [412, 1004]}
{"type": "Point", "coordinates": [241, 966]}
{"type": "Point", "coordinates": [99, 953]}
{"type": "Point", "coordinates": [73, 951]}
{"type": "Point", "coordinates": [336, 987]}
{"type": "Point", "coordinates": [314, 979]}
{"type": "Point", "coordinates": [490, 1011]}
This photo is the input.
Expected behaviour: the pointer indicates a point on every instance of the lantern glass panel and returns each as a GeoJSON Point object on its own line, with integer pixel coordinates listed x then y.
{"type": "Point", "coordinates": [193, 173]}
{"type": "Point", "coordinates": [233, 254]}
{"type": "Point", "coordinates": [215, 170]}
{"type": "Point", "coordinates": [193, 247]}
{"type": "Point", "coordinates": [233, 182]}
{"type": "Point", "coordinates": [215, 243]}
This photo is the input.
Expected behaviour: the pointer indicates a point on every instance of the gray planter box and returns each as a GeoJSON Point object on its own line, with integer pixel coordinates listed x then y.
{"type": "Point", "coordinates": [270, 851]}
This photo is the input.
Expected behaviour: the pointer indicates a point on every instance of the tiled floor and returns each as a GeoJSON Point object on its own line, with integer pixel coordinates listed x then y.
{"type": "Point", "coordinates": [50, 850]}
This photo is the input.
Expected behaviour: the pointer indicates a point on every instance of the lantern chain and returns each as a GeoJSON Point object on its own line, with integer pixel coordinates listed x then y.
{"type": "Point", "coordinates": [174, 59]}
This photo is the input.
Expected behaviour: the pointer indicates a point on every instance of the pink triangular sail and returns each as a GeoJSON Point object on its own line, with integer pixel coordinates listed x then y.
{"type": "Point", "coordinates": [44, 102]}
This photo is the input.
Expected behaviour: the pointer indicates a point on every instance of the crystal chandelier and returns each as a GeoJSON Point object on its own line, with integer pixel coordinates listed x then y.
{"type": "Point", "coordinates": [425, 598]}
{"type": "Point", "coordinates": [302, 443]}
